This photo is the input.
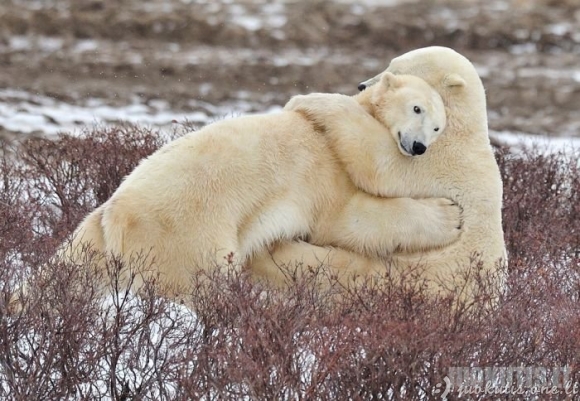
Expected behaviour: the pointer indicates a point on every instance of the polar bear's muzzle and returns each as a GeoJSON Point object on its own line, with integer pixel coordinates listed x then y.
{"type": "Point", "coordinates": [411, 147]}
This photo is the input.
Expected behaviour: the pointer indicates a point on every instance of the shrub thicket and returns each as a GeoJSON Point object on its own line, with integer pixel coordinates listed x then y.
{"type": "Point", "coordinates": [388, 342]}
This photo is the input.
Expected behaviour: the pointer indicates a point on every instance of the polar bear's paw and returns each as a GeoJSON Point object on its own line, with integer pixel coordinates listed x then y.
{"type": "Point", "coordinates": [441, 223]}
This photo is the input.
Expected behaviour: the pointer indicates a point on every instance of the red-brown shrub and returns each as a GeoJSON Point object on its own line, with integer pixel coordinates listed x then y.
{"type": "Point", "coordinates": [247, 341]}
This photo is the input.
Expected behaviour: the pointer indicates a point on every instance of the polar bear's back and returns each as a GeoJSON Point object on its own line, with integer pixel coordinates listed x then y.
{"type": "Point", "coordinates": [236, 184]}
{"type": "Point", "coordinates": [260, 154]}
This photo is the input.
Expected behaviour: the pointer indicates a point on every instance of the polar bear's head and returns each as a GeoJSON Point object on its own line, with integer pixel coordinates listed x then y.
{"type": "Point", "coordinates": [412, 109]}
{"type": "Point", "coordinates": [453, 76]}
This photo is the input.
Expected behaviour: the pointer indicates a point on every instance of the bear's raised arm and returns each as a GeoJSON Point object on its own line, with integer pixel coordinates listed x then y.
{"type": "Point", "coordinates": [351, 132]}
{"type": "Point", "coordinates": [377, 135]}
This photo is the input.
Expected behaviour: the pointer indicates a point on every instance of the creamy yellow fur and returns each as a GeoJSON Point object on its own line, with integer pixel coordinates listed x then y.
{"type": "Point", "coordinates": [229, 191]}
{"type": "Point", "coordinates": [460, 166]}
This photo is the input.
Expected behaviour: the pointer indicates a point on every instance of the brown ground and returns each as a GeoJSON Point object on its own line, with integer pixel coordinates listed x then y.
{"type": "Point", "coordinates": [527, 51]}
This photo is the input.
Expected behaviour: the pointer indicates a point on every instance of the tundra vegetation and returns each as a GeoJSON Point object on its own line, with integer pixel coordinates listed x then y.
{"type": "Point", "coordinates": [247, 341]}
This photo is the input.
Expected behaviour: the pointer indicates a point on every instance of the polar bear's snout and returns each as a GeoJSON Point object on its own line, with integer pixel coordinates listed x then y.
{"type": "Point", "coordinates": [411, 147]}
{"type": "Point", "coordinates": [418, 148]}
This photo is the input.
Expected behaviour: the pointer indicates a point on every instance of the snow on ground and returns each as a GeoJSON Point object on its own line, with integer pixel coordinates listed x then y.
{"type": "Point", "coordinates": [29, 113]}
{"type": "Point", "coordinates": [519, 140]}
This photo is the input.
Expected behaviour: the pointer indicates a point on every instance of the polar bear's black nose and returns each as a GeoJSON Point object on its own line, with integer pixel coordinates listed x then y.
{"type": "Point", "coordinates": [361, 87]}
{"type": "Point", "coordinates": [419, 148]}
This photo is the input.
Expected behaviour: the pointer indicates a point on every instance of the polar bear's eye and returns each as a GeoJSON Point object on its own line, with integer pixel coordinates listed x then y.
{"type": "Point", "coordinates": [417, 109]}
{"type": "Point", "coordinates": [436, 129]}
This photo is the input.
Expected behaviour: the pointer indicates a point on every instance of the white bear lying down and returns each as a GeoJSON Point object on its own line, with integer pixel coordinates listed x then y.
{"type": "Point", "coordinates": [460, 165]}
{"type": "Point", "coordinates": [220, 195]}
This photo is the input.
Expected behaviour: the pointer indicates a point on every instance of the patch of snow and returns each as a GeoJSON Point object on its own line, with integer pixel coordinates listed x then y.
{"type": "Point", "coordinates": [270, 16]}
{"type": "Point", "coordinates": [548, 145]}
{"type": "Point", "coordinates": [249, 22]}
{"type": "Point", "coordinates": [86, 45]}
{"type": "Point", "coordinates": [357, 9]}
{"type": "Point", "coordinates": [559, 29]}
{"type": "Point", "coordinates": [27, 113]}
{"type": "Point", "coordinates": [45, 44]}
{"type": "Point", "coordinates": [523, 48]}
{"type": "Point", "coordinates": [19, 43]}
{"type": "Point", "coordinates": [550, 73]}
{"type": "Point", "coordinates": [275, 15]}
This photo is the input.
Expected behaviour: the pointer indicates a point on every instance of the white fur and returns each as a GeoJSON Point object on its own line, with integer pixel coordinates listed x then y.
{"type": "Point", "coordinates": [284, 219]}
{"type": "Point", "coordinates": [220, 195]}
{"type": "Point", "coordinates": [460, 165]}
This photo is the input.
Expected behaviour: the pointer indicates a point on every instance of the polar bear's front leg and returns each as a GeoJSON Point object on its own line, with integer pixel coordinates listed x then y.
{"type": "Point", "coordinates": [339, 116]}
{"type": "Point", "coordinates": [381, 226]}
{"type": "Point", "coordinates": [365, 147]}
{"type": "Point", "coordinates": [322, 107]}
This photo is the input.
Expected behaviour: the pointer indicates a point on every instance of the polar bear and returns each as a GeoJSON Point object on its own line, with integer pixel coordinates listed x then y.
{"type": "Point", "coordinates": [460, 165]}
{"type": "Point", "coordinates": [215, 197]}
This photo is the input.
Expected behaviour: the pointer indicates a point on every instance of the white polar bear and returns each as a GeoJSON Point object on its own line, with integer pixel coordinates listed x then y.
{"type": "Point", "coordinates": [460, 166]}
{"type": "Point", "coordinates": [222, 194]}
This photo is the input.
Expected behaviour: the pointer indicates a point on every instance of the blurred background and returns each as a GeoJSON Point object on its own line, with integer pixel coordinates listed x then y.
{"type": "Point", "coordinates": [66, 64]}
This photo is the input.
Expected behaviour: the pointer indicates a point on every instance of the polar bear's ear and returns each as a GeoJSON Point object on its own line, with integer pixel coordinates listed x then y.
{"type": "Point", "coordinates": [453, 80]}
{"type": "Point", "coordinates": [390, 80]}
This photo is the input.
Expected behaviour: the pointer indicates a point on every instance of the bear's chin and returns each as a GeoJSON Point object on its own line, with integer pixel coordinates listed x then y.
{"type": "Point", "coordinates": [402, 149]}
{"type": "Point", "coordinates": [404, 152]}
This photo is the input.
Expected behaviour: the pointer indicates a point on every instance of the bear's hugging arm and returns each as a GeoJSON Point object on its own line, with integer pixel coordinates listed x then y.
{"type": "Point", "coordinates": [375, 226]}
{"type": "Point", "coordinates": [365, 147]}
